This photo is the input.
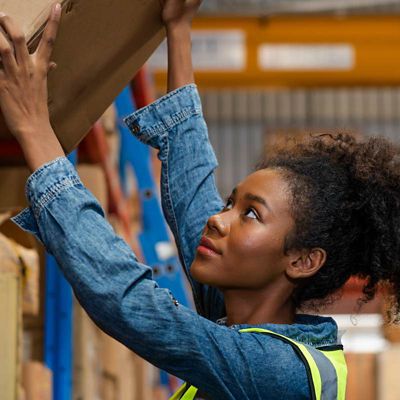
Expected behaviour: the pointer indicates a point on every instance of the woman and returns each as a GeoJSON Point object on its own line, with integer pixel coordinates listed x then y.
{"type": "Point", "coordinates": [293, 231]}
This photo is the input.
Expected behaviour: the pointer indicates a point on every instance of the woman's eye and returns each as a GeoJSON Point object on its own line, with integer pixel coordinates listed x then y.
{"type": "Point", "coordinates": [228, 204]}
{"type": "Point", "coordinates": [250, 213]}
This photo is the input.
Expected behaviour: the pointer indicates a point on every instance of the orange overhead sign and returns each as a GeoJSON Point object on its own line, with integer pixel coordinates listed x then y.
{"type": "Point", "coordinates": [307, 51]}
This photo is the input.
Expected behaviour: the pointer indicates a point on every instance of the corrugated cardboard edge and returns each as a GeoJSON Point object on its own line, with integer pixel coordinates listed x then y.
{"type": "Point", "coordinates": [39, 23]}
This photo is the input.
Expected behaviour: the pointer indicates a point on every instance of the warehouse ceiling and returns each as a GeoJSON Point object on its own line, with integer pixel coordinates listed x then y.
{"type": "Point", "coordinates": [267, 7]}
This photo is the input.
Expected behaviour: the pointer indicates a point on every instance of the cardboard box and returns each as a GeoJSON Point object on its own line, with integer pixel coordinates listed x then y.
{"type": "Point", "coordinates": [87, 363]}
{"type": "Point", "coordinates": [36, 381]}
{"type": "Point", "coordinates": [388, 374]}
{"type": "Point", "coordinates": [26, 261]}
{"type": "Point", "coordinates": [100, 47]}
{"type": "Point", "coordinates": [111, 355]}
{"type": "Point", "coordinates": [12, 188]}
{"type": "Point", "coordinates": [11, 323]}
{"type": "Point", "coordinates": [93, 178]}
{"type": "Point", "coordinates": [362, 381]}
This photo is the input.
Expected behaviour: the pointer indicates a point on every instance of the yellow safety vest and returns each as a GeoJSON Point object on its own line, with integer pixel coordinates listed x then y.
{"type": "Point", "coordinates": [326, 369]}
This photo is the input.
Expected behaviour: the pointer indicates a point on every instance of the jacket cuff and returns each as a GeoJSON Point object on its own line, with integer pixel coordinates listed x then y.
{"type": "Point", "coordinates": [47, 182]}
{"type": "Point", "coordinates": [150, 123]}
{"type": "Point", "coordinates": [27, 222]}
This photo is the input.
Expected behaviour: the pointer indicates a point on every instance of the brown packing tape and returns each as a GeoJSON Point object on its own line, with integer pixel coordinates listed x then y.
{"type": "Point", "coordinates": [99, 48]}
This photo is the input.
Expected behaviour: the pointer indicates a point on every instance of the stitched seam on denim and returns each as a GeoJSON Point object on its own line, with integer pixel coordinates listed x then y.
{"type": "Point", "coordinates": [324, 343]}
{"type": "Point", "coordinates": [296, 338]}
{"type": "Point", "coordinates": [176, 230]}
{"type": "Point", "coordinates": [53, 192]}
{"type": "Point", "coordinates": [19, 218]}
{"type": "Point", "coordinates": [168, 123]}
{"type": "Point", "coordinates": [167, 191]}
{"type": "Point", "coordinates": [176, 226]}
{"type": "Point", "coordinates": [157, 104]}
{"type": "Point", "coordinates": [170, 204]}
{"type": "Point", "coordinates": [39, 172]}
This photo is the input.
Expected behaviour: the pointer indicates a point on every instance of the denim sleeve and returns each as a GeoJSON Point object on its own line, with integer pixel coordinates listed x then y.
{"type": "Point", "coordinates": [175, 126]}
{"type": "Point", "coordinates": [119, 294]}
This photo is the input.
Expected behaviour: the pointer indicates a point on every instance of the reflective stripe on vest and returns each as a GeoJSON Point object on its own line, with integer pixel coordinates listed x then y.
{"type": "Point", "coordinates": [183, 394]}
{"type": "Point", "coordinates": [326, 369]}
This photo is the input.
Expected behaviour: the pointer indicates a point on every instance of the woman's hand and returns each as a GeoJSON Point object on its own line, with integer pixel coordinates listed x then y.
{"type": "Point", "coordinates": [177, 12]}
{"type": "Point", "coordinates": [23, 78]}
{"type": "Point", "coordinates": [178, 16]}
{"type": "Point", "coordinates": [23, 90]}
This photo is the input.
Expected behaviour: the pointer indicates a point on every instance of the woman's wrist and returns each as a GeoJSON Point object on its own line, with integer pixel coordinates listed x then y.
{"type": "Point", "coordinates": [39, 145]}
{"type": "Point", "coordinates": [180, 68]}
{"type": "Point", "coordinates": [178, 28]}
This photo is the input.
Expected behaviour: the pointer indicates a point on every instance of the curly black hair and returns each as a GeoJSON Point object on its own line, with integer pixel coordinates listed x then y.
{"type": "Point", "coordinates": [345, 198]}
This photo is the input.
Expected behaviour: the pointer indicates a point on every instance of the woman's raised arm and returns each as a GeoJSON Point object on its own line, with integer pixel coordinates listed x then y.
{"type": "Point", "coordinates": [176, 127]}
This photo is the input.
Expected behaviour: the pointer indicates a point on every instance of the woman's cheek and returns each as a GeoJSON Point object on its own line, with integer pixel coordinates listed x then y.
{"type": "Point", "coordinates": [254, 241]}
{"type": "Point", "coordinates": [260, 243]}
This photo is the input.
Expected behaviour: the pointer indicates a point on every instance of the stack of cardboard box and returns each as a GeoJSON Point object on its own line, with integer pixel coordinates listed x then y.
{"type": "Point", "coordinates": [99, 48]}
{"type": "Point", "coordinates": [19, 303]}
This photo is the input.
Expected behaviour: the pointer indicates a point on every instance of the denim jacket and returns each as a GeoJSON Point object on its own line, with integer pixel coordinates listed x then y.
{"type": "Point", "coordinates": [118, 291]}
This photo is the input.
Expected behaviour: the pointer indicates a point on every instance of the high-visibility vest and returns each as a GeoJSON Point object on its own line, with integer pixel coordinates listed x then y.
{"type": "Point", "coordinates": [326, 369]}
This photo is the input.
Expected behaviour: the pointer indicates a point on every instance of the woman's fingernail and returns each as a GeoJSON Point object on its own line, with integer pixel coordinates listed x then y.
{"type": "Point", "coordinates": [2, 14]}
{"type": "Point", "coordinates": [57, 9]}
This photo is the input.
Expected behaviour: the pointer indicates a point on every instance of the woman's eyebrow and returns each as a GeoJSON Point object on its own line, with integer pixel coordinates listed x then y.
{"type": "Point", "coordinates": [254, 197]}
{"type": "Point", "coordinates": [258, 199]}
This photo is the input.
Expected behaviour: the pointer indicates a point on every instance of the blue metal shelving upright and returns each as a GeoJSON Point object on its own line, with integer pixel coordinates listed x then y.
{"type": "Point", "coordinates": [154, 236]}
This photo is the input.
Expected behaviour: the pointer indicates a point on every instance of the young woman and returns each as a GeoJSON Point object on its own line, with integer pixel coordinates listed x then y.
{"type": "Point", "coordinates": [292, 232]}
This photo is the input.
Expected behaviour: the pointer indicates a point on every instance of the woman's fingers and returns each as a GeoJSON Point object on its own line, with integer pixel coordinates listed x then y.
{"type": "Point", "coordinates": [52, 66]}
{"type": "Point", "coordinates": [8, 60]}
{"type": "Point", "coordinates": [17, 38]}
{"type": "Point", "coordinates": [49, 35]}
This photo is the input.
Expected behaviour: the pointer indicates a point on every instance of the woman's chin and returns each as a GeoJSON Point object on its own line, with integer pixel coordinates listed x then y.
{"type": "Point", "coordinates": [203, 274]}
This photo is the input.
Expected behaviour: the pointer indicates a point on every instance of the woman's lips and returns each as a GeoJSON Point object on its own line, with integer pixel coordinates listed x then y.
{"type": "Point", "coordinates": [207, 247]}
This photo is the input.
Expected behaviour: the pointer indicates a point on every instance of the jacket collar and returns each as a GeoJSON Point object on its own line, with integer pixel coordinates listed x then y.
{"type": "Point", "coordinates": [312, 330]}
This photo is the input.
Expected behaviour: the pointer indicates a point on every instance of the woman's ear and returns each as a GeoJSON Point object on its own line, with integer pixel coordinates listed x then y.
{"type": "Point", "coordinates": [305, 263]}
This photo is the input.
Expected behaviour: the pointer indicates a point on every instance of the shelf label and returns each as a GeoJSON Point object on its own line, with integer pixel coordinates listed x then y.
{"type": "Point", "coordinates": [212, 50]}
{"type": "Point", "coordinates": [306, 57]}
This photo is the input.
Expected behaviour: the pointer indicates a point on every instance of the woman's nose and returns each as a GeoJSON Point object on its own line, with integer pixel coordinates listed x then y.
{"type": "Point", "coordinates": [218, 224]}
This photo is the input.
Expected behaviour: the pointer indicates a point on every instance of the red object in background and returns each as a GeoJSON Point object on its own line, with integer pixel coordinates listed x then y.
{"type": "Point", "coordinates": [354, 286]}
{"type": "Point", "coordinates": [10, 152]}
{"type": "Point", "coordinates": [143, 88]}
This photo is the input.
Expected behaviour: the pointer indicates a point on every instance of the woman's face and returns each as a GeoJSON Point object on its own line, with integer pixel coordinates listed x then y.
{"type": "Point", "coordinates": [247, 236]}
